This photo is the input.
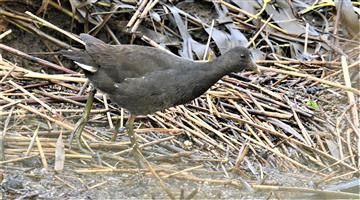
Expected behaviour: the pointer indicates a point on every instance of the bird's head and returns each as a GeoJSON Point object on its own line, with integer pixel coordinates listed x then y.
{"type": "Point", "coordinates": [239, 59]}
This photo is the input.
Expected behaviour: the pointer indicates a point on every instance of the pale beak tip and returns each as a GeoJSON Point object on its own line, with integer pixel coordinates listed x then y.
{"type": "Point", "coordinates": [255, 68]}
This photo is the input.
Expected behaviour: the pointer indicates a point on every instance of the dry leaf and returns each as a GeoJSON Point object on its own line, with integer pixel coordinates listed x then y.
{"type": "Point", "coordinates": [59, 154]}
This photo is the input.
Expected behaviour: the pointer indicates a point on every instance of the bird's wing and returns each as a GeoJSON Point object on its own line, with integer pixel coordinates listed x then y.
{"type": "Point", "coordinates": [164, 85]}
{"type": "Point", "coordinates": [153, 90]}
{"type": "Point", "coordinates": [129, 61]}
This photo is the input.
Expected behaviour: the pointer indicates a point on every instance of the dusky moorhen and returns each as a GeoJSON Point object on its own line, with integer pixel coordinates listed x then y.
{"type": "Point", "coordinates": [144, 79]}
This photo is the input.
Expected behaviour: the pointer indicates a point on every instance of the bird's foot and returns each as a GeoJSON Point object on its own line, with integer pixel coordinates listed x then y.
{"type": "Point", "coordinates": [138, 156]}
{"type": "Point", "coordinates": [117, 130]}
{"type": "Point", "coordinates": [80, 125]}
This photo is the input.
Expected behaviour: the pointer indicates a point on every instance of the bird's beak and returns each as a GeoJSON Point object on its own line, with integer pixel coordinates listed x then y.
{"type": "Point", "coordinates": [254, 67]}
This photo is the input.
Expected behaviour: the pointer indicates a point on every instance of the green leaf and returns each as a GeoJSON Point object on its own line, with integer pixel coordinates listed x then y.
{"type": "Point", "coordinates": [312, 104]}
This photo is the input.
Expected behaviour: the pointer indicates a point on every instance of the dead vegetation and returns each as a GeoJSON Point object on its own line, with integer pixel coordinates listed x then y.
{"type": "Point", "coordinates": [299, 118]}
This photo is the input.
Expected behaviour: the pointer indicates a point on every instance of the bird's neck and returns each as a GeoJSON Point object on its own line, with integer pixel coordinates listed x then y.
{"type": "Point", "coordinates": [220, 66]}
{"type": "Point", "coordinates": [211, 72]}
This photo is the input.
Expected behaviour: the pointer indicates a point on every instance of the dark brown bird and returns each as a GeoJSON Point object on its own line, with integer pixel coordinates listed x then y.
{"type": "Point", "coordinates": [144, 80]}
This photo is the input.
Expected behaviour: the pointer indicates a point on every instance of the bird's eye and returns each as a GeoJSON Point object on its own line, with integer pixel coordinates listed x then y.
{"type": "Point", "coordinates": [242, 56]}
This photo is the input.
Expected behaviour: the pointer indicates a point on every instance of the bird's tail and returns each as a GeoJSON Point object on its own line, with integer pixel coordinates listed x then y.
{"type": "Point", "coordinates": [88, 39]}
{"type": "Point", "coordinates": [81, 58]}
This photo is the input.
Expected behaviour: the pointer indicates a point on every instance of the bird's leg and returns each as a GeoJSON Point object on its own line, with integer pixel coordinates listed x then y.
{"type": "Point", "coordinates": [135, 146]}
{"type": "Point", "coordinates": [116, 131]}
{"type": "Point", "coordinates": [79, 127]}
